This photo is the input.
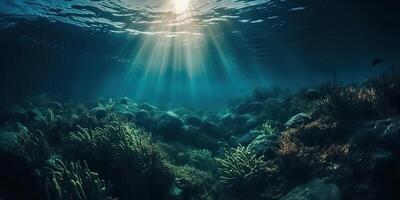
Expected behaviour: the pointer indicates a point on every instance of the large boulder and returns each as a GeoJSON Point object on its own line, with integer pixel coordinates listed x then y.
{"type": "Point", "coordinates": [169, 124]}
{"type": "Point", "coordinates": [384, 133]}
{"type": "Point", "coordinates": [210, 128]}
{"type": "Point", "coordinates": [316, 189]}
{"type": "Point", "coordinates": [193, 120]}
{"type": "Point", "coordinates": [264, 145]}
{"type": "Point", "coordinates": [144, 119]}
{"type": "Point", "coordinates": [124, 110]}
{"type": "Point", "coordinates": [99, 112]}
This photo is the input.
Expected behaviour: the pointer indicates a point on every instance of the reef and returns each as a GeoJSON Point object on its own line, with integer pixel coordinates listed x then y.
{"type": "Point", "coordinates": [329, 142]}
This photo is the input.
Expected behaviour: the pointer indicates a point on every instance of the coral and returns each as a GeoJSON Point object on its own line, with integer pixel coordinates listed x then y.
{"type": "Point", "coordinates": [310, 150]}
{"type": "Point", "coordinates": [76, 181]}
{"type": "Point", "coordinates": [288, 143]}
{"type": "Point", "coordinates": [241, 171]}
{"type": "Point", "coordinates": [363, 102]}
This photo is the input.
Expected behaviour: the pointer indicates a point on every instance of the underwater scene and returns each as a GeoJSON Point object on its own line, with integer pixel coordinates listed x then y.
{"type": "Point", "coordinates": [199, 100]}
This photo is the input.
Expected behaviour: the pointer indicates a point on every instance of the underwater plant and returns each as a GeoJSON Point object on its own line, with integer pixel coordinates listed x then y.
{"type": "Point", "coordinates": [202, 159]}
{"type": "Point", "coordinates": [363, 102]}
{"type": "Point", "coordinates": [125, 155]}
{"type": "Point", "coordinates": [74, 180]}
{"type": "Point", "coordinates": [241, 171]}
{"type": "Point", "coordinates": [312, 149]}
{"type": "Point", "coordinates": [193, 183]}
{"type": "Point", "coordinates": [31, 144]}
{"type": "Point", "coordinates": [267, 128]}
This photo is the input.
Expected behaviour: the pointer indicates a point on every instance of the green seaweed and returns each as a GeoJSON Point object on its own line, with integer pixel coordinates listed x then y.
{"type": "Point", "coordinates": [124, 154]}
{"type": "Point", "coordinates": [241, 171]}
{"type": "Point", "coordinates": [74, 180]}
{"type": "Point", "coordinates": [31, 144]}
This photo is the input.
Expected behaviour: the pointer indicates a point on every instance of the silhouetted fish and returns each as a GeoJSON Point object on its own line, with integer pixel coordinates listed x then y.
{"type": "Point", "coordinates": [377, 61]}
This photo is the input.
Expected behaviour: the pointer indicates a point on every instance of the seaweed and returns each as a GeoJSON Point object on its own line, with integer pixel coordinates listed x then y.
{"type": "Point", "coordinates": [32, 145]}
{"type": "Point", "coordinates": [74, 180]}
{"type": "Point", "coordinates": [124, 154]}
{"type": "Point", "coordinates": [241, 171]}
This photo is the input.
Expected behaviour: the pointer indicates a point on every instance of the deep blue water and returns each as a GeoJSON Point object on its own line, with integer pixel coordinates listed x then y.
{"type": "Point", "coordinates": [198, 55]}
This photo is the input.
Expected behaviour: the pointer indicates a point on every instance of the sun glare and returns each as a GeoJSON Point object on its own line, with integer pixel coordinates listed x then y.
{"type": "Point", "coordinates": [180, 6]}
{"type": "Point", "coordinates": [173, 56]}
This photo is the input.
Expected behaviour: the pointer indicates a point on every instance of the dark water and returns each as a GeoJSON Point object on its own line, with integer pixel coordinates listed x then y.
{"type": "Point", "coordinates": [199, 56]}
{"type": "Point", "coordinates": [199, 99]}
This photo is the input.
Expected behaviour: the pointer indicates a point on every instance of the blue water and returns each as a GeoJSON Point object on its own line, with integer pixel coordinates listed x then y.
{"type": "Point", "coordinates": [192, 53]}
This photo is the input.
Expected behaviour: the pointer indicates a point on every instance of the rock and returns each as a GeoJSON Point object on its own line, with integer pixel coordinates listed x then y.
{"type": "Point", "coordinates": [169, 124]}
{"type": "Point", "coordinates": [195, 137]}
{"type": "Point", "coordinates": [242, 119]}
{"type": "Point", "coordinates": [148, 107]}
{"type": "Point", "coordinates": [264, 145]}
{"type": "Point", "coordinates": [194, 121]}
{"type": "Point", "coordinates": [183, 112]}
{"type": "Point", "coordinates": [124, 110]}
{"type": "Point", "coordinates": [144, 119]}
{"type": "Point", "coordinates": [99, 112]}
{"type": "Point", "coordinates": [298, 119]}
{"type": "Point", "coordinates": [252, 123]}
{"type": "Point", "coordinates": [253, 107]}
{"type": "Point", "coordinates": [210, 128]}
{"type": "Point", "coordinates": [274, 109]}
{"type": "Point", "coordinates": [316, 189]}
{"type": "Point", "coordinates": [226, 118]}
{"type": "Point", "coordinates": [384, 133]}
{"type": "Point", "coordinates": [124, 101]}
{"type": "Point", "coordinates": [250, 136]}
